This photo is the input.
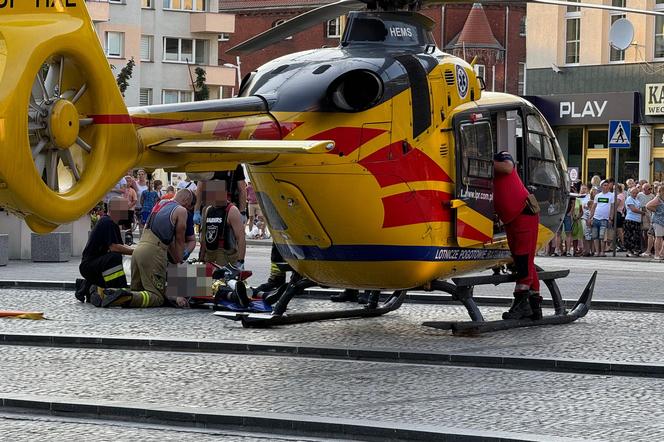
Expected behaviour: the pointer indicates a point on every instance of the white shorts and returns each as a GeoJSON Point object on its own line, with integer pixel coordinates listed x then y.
{"type": "Point", "coordinates": [659, 230]}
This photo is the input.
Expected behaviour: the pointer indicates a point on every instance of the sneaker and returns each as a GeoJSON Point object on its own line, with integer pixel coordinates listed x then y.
{"type": "Point", "coordinates": [645, 255]}
{"type": "Point", "coordinates": [272, 283]}
{"type": "Point", "coordinates": [570, 254]}
{"type": "Point", "coordinates": [658, 258]}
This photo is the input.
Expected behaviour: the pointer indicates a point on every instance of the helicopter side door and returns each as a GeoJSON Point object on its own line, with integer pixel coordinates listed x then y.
{"type": "Point", "coordinates": [474, 183]}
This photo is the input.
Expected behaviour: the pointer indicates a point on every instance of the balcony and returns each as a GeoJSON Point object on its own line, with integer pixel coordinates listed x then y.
{"type": "Point", "coordinates": [212, 23]}
{"type": "Point", "coordinates": [219, 75]}
{"type": "Point", "coordinates": [99, 10]}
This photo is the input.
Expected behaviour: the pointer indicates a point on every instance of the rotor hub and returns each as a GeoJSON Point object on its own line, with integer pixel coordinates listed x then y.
{"type": "Point", "coordinates": [62, 123]}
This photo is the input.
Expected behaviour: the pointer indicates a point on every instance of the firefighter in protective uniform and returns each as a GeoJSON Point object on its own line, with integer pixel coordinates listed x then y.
{"type": "Point", "coordinates": [101, 263]}
{"type": "Point", "coordinates": [164, 237]}
{"type": "Point", "coordinates": [519, 212]}
{"type": "Point", "coordinates": [222, 228]}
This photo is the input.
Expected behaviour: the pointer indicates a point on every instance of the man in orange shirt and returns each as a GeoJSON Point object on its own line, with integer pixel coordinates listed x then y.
{"type": "Point", "coordinates": [521, 226]}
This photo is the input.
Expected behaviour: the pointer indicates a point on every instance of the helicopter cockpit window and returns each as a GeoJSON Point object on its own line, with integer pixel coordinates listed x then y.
{"type": "Point", "coordinates": [391, 32]}
{"type": "Point", "coordinates": [476, 151]}
{"type": "Point", "coordinates": [543, 170]}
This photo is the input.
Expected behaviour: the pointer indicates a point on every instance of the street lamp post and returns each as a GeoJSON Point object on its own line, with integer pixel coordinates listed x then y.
{"type": "Point", "coordinates": [235, 66]}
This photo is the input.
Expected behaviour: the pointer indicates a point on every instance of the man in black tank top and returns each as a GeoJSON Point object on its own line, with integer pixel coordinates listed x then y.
{"type": "Point", "coordinates": [222, 230]}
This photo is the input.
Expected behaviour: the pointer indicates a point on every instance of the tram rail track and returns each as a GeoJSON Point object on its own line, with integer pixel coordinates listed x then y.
{"type": "Point", "coordinates": [393, 356]}
{"type": "Point", "coordinates": [412, 297]}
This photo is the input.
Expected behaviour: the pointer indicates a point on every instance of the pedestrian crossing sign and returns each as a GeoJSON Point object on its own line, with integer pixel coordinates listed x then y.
{"type": "Point", "coordinates": [620, 132]}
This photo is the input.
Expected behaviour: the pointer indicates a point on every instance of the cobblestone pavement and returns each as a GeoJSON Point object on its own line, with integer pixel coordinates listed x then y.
{"type": "Point", "coordinates": [555, 404]}
{"type": "Point", "coordinates": [602, 335]}
{"type": "Point", "coordinates": [619, 279]}
{"type": "Point", "coordinates": [30, 428]}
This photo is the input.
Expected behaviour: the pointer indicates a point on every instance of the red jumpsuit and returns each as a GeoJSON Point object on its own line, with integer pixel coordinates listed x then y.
{"type": "Point", "coordinates": [509, 198]}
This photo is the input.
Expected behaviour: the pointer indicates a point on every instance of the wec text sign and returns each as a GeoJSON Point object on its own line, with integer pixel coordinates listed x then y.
{"type": "Point", "coordinates": [654, 98]}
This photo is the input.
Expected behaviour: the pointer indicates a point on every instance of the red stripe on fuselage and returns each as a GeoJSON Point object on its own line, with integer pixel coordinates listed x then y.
{"type": "Point", "coordinates": [390, 166]}
{"type": "Point", "coordinates": [419, 206]}
{"type": "Point", "coordinates": [469, 232]}
{"type": "Point", "coordinates": [347, 139]}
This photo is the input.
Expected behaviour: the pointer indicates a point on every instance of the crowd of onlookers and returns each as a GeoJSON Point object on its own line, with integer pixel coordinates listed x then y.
{"type": "Point", "coordinates": [589, 228]}
{"type": "Point", "coordinates": [143, 193]}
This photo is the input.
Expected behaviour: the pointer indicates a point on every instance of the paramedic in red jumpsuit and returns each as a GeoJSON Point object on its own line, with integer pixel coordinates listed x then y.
{"type": "Point", "coordinates": [521, 227]}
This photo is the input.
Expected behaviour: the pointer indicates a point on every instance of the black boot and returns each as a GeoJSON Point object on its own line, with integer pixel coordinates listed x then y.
{"type": "Point", "coordinates": [535, 301]}
{"type": "Point", "coordinates": [520, 307]}
{"type": "Point", "coordinates": [348, 295]}
{"type": "Point", "coordinates": [82, 292]}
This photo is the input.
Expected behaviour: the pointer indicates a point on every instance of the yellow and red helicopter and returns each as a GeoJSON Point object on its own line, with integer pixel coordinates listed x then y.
{"type": "Point", "coordinates": [372, 161]}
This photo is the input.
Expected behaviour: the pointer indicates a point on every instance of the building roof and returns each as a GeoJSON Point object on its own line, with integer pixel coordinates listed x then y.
{"type": "Point", "coordinates": [255, 5]}
{"type": "Point", "coordinates": [476, 32]}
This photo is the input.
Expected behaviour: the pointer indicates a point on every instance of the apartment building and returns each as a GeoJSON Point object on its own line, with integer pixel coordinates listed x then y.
{"type": "Point", "coordinates": [168, 39]}
{"type": "Point", "coordinates": [580, 83]}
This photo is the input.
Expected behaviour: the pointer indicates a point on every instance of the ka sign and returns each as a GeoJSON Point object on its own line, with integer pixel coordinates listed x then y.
{"type": "Point", "coordinates": [654, 99]}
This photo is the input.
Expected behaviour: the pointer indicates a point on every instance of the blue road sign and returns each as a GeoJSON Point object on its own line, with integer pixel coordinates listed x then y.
{"type": "Point", "coordinates": [620, 132]}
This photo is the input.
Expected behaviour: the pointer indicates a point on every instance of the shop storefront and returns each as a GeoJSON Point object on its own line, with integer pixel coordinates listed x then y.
{"type": "Point", "coordinates": [581, 122]}
{"type": "Point", "coordinates": [653, 110]}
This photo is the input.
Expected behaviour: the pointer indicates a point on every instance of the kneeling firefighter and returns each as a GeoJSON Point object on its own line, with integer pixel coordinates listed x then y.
{"type": "Point", "coordinates": [519, 212]}
{"type": "Point", "coordinates": [168, 234]}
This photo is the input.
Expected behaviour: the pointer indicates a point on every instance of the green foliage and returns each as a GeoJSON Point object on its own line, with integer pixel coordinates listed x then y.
{"type": "Point", "coordinates": [201, 91]}
{"type": "Point", "coordinates": [124, 75]}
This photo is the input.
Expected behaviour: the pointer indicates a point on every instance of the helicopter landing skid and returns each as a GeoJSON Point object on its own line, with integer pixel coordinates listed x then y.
{"type": "Point", "coordinates": [280, 317]}
{"type": "Point", "coordinates": [477, 326]}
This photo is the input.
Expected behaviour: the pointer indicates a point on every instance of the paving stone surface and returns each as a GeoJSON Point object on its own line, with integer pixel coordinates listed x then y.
{"type": "Point", "coordinates": [556, 404]}
{"type": "Point", "coordinates": [602, 335]}
{"type": "Point", "coordinates": [619, 278]}
{"type": "Point", "coordinates": [30, 428]}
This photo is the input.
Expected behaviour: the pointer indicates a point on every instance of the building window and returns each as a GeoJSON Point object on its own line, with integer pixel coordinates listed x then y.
{"type": "Point", "coordinates": [522, 26]}
{"type": "Point", "coordinates": [185, 50]}
{"type": "Point", "coordinates": [186, 5]}
{"type": "Point", "coordinates": [146, 4]}
{"type": "Point", "coordinates": [224, 36]}
{"type": "Point", "coordinates": [522, 79]}
{"type": "Point", "coordinates": [117, 2]}
{"type": "Point", "coordinates": [616, 54]}
{"type": "Point", "coordinates": [277, 23]}
{"type": "Point", "coordinates": [480, 71]}
{"type": "Point", "coordinates": [147, 48]}
{"type": "Point", "coordinates": [572, 34]}
{"type": "Point", "coordinates": [169, 96]}
{"type": "Point", "coordinates": [334, 28]}
{"type": "Point", "coordinates": [145, 97]}
{"type": "Point", "coordinates": [659, 30]}
{"type": "Point", "coordinates": [115, 44]}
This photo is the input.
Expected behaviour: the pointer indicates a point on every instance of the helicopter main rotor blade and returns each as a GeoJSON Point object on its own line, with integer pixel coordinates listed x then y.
{"type": "Point", "coordinates": [295, 25]}
{"type": "Point", "coordinates": [549, 2]}
{"type": "Point", "coordinates": [596, 6]}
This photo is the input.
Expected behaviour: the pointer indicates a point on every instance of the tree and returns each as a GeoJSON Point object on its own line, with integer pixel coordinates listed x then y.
{"type": "Point", "coordinates": [201, 90]}
{"type": "Point", "coordinates": [124, 75]}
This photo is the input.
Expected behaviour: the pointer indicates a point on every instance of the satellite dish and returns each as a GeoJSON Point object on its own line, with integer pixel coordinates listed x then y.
{"type": "Point", "coordinates": [621, 34]}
